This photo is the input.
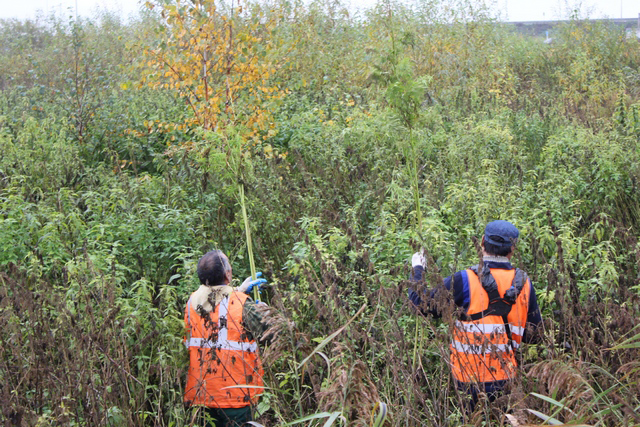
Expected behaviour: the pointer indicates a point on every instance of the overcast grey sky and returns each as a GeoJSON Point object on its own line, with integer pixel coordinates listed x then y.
{"type": "Point", "coordinates": [510, 10]}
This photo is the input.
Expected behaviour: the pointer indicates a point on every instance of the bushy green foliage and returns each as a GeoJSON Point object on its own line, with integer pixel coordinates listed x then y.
{"type": "Point", "coordinates": [408, 127]}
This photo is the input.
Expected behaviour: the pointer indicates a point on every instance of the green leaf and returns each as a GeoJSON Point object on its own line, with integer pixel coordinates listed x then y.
{"type": "Point", "coordinates": [545, 418]}
{"type": "Point", "coordinates": [382, 414]}
{"type": "Point", "coordinates": [332, 419]}
{"type": "Point", "coordinates": [633, 342]}
{"type": "Point", "coordinates": [331, 337]}
{"type": "Point", "coordinates": [331, 415]}
{"type": "Point", "coordinates": [552, 401]}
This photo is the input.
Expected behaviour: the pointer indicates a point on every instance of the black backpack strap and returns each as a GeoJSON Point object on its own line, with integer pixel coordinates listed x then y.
{"type": "Point", "coordinates": [519, 280]}
{"type": "Point", "coordinates": [499, 306]}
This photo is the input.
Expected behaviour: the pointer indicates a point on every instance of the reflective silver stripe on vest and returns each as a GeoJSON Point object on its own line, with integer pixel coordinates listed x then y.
{"type": "Point", "coordinates": [228, 345]}
{"type": "Point", "coordinates": [222, 343]}
{"type": "Point", "coordinates": [482, 349]}
{"type": "Point", "coordinates": [518, 330]}
{"type": "Point", "coordinates": [487, 328]}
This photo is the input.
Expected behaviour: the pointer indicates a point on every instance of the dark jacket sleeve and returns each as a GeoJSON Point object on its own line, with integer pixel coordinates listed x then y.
{"type": "Point", "coordinates": [532, 333]}
{"type": "Point", "coordinates": [455, 285]}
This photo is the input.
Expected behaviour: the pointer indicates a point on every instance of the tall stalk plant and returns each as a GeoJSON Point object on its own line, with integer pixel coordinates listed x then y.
{"type": "Point", "coordinates": [247, 230]}
{"type": "Point", "coordinates": [228, 158]}
{"type": "Point", "coordinates": [405, 95]}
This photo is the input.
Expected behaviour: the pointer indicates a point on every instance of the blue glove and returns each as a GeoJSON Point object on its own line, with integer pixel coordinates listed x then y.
{"type": "Point", "coordinates": [248, 284]}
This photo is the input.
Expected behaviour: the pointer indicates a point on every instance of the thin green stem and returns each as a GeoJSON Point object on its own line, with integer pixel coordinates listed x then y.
{"type": "Point", "coordinates": [247, 230]}
{"type": "Point", "coordinates": [416, 181]}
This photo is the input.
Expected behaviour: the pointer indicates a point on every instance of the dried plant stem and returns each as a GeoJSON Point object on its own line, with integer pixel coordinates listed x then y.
{"type": "Point", "coordinates": [416, 199]}
{"type": "Point", "coordinates": [247, 230]}
{"type": "Point", "coordinates": [417, 338]}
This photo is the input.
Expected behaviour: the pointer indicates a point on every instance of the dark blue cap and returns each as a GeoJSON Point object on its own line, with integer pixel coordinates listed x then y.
{"type": "Point", "coordinates": [501, 233]}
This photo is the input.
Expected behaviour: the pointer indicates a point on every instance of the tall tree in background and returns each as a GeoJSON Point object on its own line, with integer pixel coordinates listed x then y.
{"type": "Point", "coordinates": [218, 61]}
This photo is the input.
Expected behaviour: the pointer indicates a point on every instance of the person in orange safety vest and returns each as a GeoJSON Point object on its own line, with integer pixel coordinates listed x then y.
{"type": "Point", "coordinates": [223, 325]}
{"type": "Point", "coordinates": [498, 309]}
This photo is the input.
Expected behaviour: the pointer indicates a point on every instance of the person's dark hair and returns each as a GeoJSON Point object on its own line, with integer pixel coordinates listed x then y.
{"type": "Point", "coordinates": [496, 250]}
{"type": "Point", "coordinates": [213, 267]}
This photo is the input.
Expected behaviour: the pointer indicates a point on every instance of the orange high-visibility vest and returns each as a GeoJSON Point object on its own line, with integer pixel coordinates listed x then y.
{"type": "Point", "coordinates": [220, 355]}
{"type": "Point", "coordinates": [480, 349]}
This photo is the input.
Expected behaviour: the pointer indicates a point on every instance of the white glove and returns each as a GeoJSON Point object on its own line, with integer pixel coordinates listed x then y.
{"type": "Point", "coordinates": [418, 260]}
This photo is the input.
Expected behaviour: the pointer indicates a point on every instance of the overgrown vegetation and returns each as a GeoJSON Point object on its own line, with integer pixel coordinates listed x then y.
{"type": "Point", "coordinates": [357, 140]}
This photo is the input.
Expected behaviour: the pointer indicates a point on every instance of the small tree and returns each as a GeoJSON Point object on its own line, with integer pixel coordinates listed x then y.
{"type": "Point", "coordinates": [218, 62]}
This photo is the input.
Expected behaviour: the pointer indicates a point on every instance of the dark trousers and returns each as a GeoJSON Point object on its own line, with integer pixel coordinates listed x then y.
{"type": "Point", "coordinates": [224, 417]}
{"type": "Point", "coordinates": [493, 390]}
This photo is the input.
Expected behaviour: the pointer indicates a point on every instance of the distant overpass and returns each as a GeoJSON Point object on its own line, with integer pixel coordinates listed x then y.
{"type": "Point", "coordinates": [539, 28]}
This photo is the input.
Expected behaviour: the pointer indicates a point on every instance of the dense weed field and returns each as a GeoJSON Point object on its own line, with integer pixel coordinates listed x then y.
{"type": "Point", "coordinates": [357, 140]}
